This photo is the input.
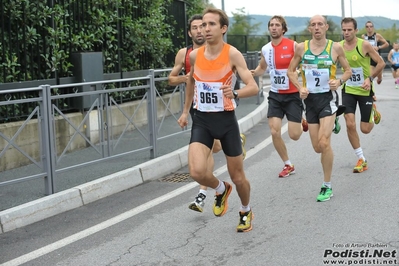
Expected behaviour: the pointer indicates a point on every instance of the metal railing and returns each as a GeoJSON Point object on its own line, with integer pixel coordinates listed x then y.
{"type": "Point", "coordinates": [108, 144]}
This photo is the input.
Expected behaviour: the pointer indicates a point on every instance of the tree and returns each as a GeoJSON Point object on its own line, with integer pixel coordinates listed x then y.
{"type": "Point", "coordinates": [240, 29]}
{"type": "Point", "coordinates": [196, 7]}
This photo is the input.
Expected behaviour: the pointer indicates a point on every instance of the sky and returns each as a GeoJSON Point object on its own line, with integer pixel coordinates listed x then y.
{"type": "Point", "coordinates": [309, 8]}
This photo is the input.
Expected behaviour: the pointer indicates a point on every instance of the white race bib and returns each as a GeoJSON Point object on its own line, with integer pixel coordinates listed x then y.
{"type": "Point", "coordinates": [209, 96]}
{"type": "Point", "coordinates": [357, 77]}
{"type": "Point", "coordinates": [279, 79]}
{"type": "Point", "coordinates": [316, 79]}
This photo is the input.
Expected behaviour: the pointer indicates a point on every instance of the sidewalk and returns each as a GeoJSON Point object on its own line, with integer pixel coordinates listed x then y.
{"type": "Point", "coordinates": [24, 203]}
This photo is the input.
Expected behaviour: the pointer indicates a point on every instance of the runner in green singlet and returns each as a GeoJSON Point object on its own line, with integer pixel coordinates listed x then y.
{"type": "Point", "coordinates": [358, 90]}
{"type": "Point", "coordinates": [317, 59]}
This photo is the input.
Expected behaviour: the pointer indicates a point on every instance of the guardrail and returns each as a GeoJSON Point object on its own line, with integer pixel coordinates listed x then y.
{"type": "Point", "coordinates": [101, 127]}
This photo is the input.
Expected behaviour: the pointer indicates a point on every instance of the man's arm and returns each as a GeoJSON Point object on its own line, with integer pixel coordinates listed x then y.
{"type": "Point", "coordinates": [382, 40]}
{"type": "Point", "coordinates": [390, 56]}
{"type": "Point", "coordinates": [238, 62]}
{"type": "Point", "coordinates": [343, 62]}
{"type": "Point", "coordinates": [376, 58]}
{"type": "Point", "coordinates": [261, 68]}
{"type": "Point", "coordinates": [174, 78]}
{"type": "Point", "coordinates": [294, 64]}
{"type": "Point", "coordinates": [189, 92]}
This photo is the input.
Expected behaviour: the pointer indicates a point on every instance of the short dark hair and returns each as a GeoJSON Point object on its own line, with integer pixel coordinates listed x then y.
{"type": "Point", "coordinates": [349, 20]}
{"type": "Point", "coordinates": [193, 17]}
{"type": "Point", "coordinates": [368, 21]}
{"type": "Point", "coordinates": [282, 21]}
{"type": "Point", "coordinates": [223, 18]}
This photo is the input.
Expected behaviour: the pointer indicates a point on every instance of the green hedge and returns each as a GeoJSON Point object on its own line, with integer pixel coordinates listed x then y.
{"type": "Point", "coordinates": [37, 38]}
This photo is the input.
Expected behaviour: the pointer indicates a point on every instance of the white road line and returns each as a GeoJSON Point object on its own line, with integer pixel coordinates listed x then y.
{"type": "Point", "coordinates": [126, 215]}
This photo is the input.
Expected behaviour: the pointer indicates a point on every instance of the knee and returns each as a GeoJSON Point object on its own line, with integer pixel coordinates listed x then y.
{"type": "Point", "coordinates": [366, 130]}
{"type": "Point", "coordinates": [276, 133]}
{"type": "Point", "coordinates": [350, 125]}
{"type": "Point", "coordinates": [239, 179]}
{"type": "Point", "coordinates": [324, 144]}
{"type": "Point", "coordinates": [294, 135]}
{"type": "Point", "coordinates": [197, 173]}
{"type": "Point", "coordinates": [317, 148]}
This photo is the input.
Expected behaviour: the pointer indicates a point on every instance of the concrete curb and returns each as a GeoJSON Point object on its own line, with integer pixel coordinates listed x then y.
{"type": "Point", "coordinates": [78, 196]}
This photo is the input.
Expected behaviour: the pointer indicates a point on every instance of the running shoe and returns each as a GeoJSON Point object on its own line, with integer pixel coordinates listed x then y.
{"type": "Point", "coordinates": [337, 126]}
{"type": "Point", "coordinates": [220, 205]}
{"type": "Point", "coordinates": [198, 204]}
{"type": "Point", "coordinates": [325, 194]}
{"type": "Point", "coordinates": [360, 166]}
{"type": "Point", "coordinates": [287, 170]}
{"type": "Point", "coordinates": [245, 223]}
{"type": "Point", "coordinates": [376, 114]}
{"type": "Point", "coordinates": [243, 140]}
{"type": "Point", "coordinates": [305, 125]}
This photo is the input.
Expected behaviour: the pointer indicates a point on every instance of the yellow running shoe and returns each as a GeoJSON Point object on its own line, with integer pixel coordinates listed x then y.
{"type": "Point", "coordinates": [243, 140]}
{"type": "Point", "coordinates": [245, 223]}
{"type": "Point", "coordinates": [376, 114]}
{"type": "Point", "coordinates": [360, 166]}
{"type": "Point", "coordinates": [220, 204]}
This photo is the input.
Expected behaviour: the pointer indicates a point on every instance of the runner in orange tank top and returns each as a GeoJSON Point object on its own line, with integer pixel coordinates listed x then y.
{"type": "Point", "coordinates": [212, 75]}
{"type": "Point", "coordinates": [182, 62]}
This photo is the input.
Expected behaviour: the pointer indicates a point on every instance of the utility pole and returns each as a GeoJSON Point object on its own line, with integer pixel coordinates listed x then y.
{"type": "Point", "coordinates": [225, 35]}
{"type": "Point", "coordinates": [351, 7]}
{"type": "Point", "coordinates": [343, 8]}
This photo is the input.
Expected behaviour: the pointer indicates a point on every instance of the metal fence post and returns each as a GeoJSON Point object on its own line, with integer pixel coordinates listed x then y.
{"type": "Point", "coordinates": [47, 140]}
{"type": "Point", "coordinates": [152, 114]}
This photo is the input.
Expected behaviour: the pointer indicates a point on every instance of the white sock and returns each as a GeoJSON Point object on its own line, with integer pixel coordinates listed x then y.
{"type": "Point", "coordinates": [245, 208]}
{"type": "Point", "coordinates": [202, 191]}
{"type": "Point", "coordinates": [359, 153]}
{"type": "Point", "coordinates": [327, 184]}
{"type": "Point", "coordinates": [288, 162]}
{"type": "Point", "coordinates": [220, 188]}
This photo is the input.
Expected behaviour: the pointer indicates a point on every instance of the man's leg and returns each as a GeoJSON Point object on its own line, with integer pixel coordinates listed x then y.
{"type": "Point", "coordinates": [199, 201]}
{"type": "Point", "coordinates": [354, 140]}
{"type": "Point", "coordinates": [235, 167]}
{"type": "Point", "coordinates": [327, 156]}
{"type": "Point", "coordinates": [396, 77]}
{"type": "Point", "coordinates": [279, 145]}
{"type": "Point", "coordinates": [320, 135]}
{"type": "Point", "coordinates": [198, 156]}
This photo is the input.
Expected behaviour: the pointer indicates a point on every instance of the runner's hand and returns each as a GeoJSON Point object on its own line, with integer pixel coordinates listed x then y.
{"type": "Point", "coordinates": [334, 84]}
{"type": "Point", "coordinates": [303, 93]}
{"type": "Point", "coordinates": [227, 91]}
{"type": "Point", "coordinates": [183, 121]}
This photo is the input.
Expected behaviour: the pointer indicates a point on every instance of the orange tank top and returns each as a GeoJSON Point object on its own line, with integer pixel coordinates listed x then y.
{"type": "Point", "coordinates": [217, 70]}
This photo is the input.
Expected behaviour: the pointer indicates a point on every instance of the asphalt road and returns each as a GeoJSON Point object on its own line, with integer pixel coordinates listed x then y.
{"type": "Point", "coordinates": [151, 225]}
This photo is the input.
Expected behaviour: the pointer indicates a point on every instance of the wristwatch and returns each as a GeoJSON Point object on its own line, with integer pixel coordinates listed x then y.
{"type": "Point", "coordinates": [235, 94]}
{"type": "Point", "coordinates": [371, 78]}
